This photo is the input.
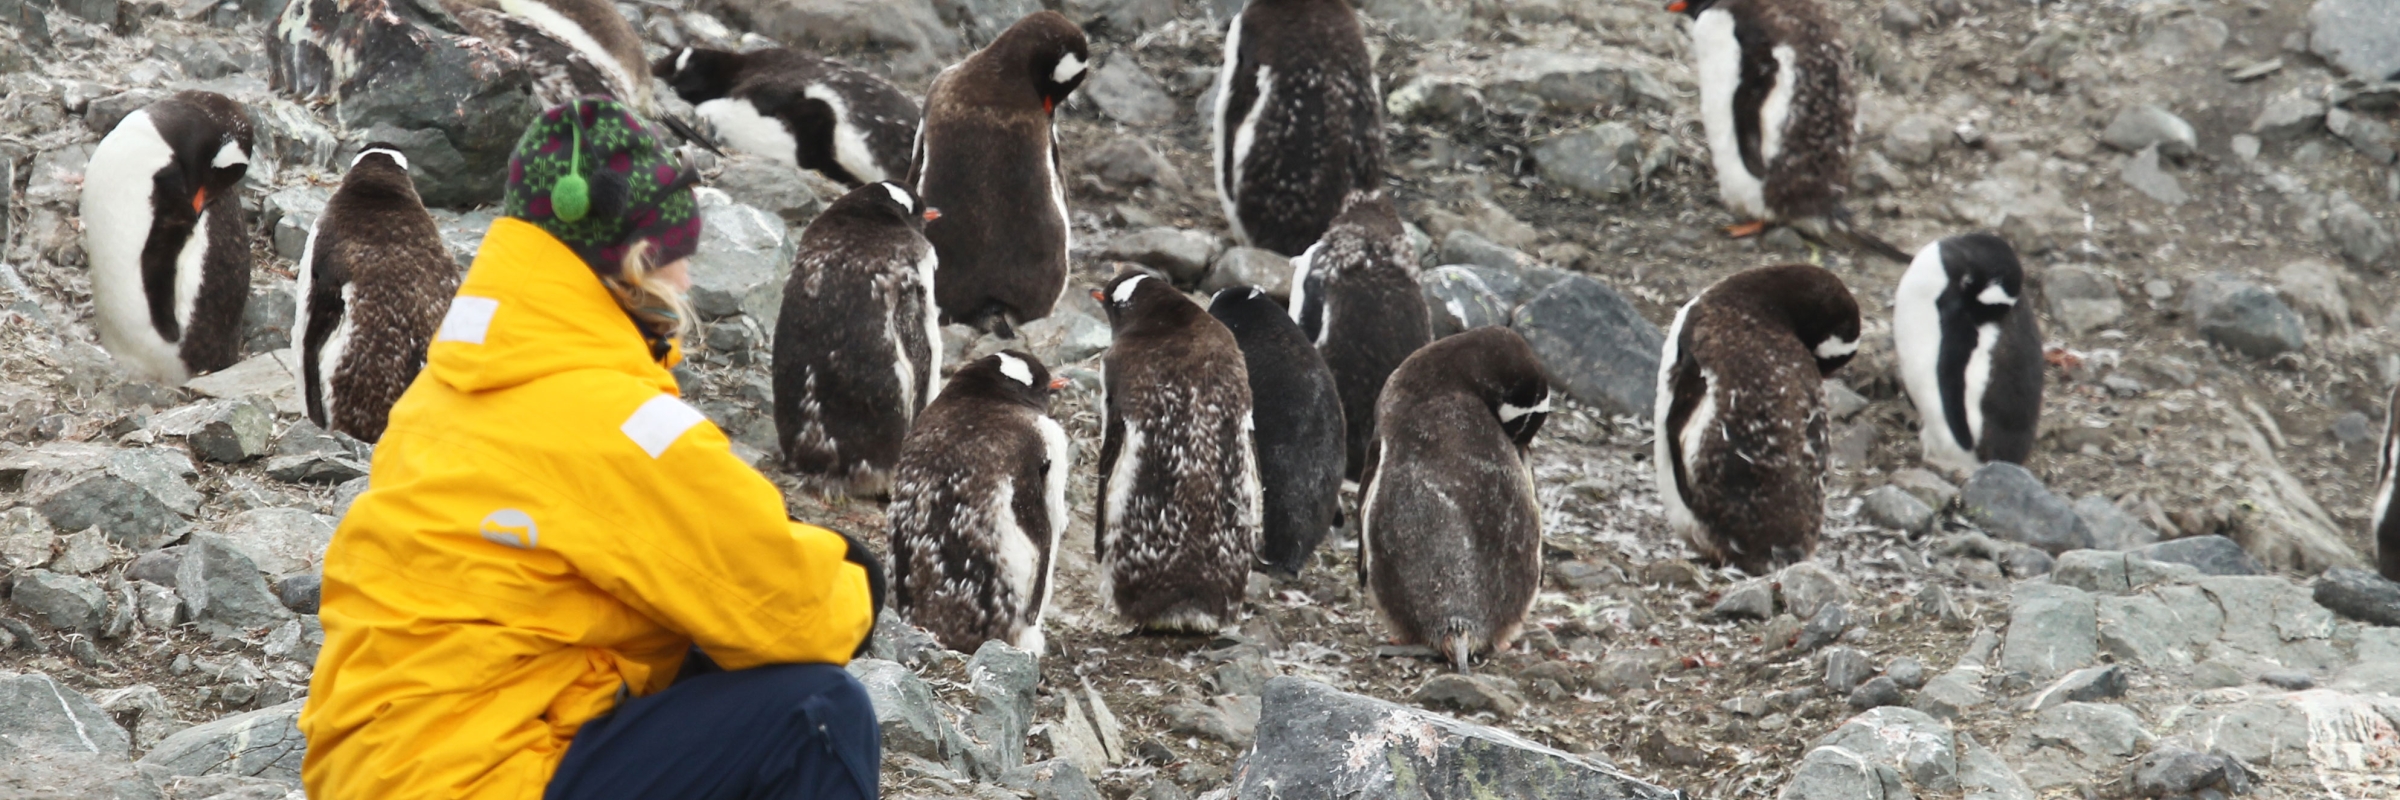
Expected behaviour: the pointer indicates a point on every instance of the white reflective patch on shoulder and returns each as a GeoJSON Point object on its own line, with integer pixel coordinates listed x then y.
{"type": "Point", "coordinates": [1015, 368]}
{"type": "Point", "coordinates": [511, 527]}
{"type": "Point", "coordinates": [397, 158]}
{"type": "Point", "coordinates": [658, 423]}
{"type": "Point", "coordinates": [229, 155]}
{"type": "Point", "coordinates": [1993, 295]}
{"type": "Point", "coordinates": [1836, 347]}
{"type": "Point", "coordinates": [1067, 69]}
{"type": "Point", "coordinates": [1124, 293]}
{"type": "Point", "coordinates": [899, 195]}
{"type": "Point", "coordinates": [469, 319]}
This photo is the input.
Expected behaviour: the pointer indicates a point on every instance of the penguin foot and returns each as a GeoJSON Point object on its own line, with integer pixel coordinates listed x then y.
{"type": "Point", "coordinates": [1746, 229]}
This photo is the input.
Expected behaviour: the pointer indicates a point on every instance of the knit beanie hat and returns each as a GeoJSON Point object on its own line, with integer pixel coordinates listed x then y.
{"type": "Point", "coordinates": [635, 188]}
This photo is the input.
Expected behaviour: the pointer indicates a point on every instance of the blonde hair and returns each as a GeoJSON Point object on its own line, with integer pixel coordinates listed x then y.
{"type": "Point", "coordinates": [654, 303]}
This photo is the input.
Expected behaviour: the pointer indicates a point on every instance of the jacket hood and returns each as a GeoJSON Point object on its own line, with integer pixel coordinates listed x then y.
{"type": "Point", "coordinates": [529, 309]}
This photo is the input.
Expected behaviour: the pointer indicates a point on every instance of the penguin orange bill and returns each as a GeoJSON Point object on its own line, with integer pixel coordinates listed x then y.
{"type": "Point", "coordinates": [1099, 295]}
{"type": "Point", "coordinates": [199, 199]}
{"type": "Point", "coordinates": [1058, 383]}
{"type": "Point", "coordinates": [932, 214]}
{"type": "Point", "coordinates": [1676, 7]}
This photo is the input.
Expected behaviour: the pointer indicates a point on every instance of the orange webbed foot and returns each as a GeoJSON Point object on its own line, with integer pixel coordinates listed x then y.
{"type": "Point", "coordinates": [1746, 230]}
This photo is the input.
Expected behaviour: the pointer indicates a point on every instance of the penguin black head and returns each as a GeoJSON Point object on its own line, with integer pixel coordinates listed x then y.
{"type": "Point", "coordinates": [1137, 295]}
{"type": "Point", "coordinates": [1690, 8]}
{"type": "Point", "coordinates": [1241, 307]}
{"type": "Point", "coordinates": [1010, 375]}
{"type": "Point", "coordinates": [210, 136]}
{"type": "Point", "coordinates": [698, 74]}
{"type": "Point", "coordinates": [1986, 281]}
{"type": "Point", "coordinates": [1813, 300]}
{"type": "Point", "coordinates": [885, 200]}
{"type": "Point", "coordinates": [1054, 52]}
{"type": "Point", "coordinates": [380, 156]}
{"type": "Point", "coordinates": [1497, 366]}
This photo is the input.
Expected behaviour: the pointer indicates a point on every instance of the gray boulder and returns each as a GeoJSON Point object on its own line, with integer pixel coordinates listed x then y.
{"type": "Point", "coordinates": [775, 186]}
{"type": "Point", "coordinates": [1531, 80]}
{"type": "Point", "coordinates": [907, 37]}
{"type": "Point", "coordinates": [265, 743]}
{"type": "Point", "coordinates": [221, 585]}
{"type": "Point", "coordinates": [2081, 299]}
{"type": "Point", "coordinates": [1002, 679]}
{"type": "Point", "coordinates": [1462, 246]}
{"type": "Point", "coordinates": [1183, 255]}
{"type": "Point", "coordinates": [64, 602]}
{"type": "Point", "coordinates": [745, 255]}
{"type": "Point", "coordinates": [906, 711]}
{"type": "Point", "coordinates": [2250, 319]}
{"type": "Point", "coordinates": [2007, 501]}
{"type": "Point", "coordinates": [2144, 125]}
{"type": "Point", "coordinates": [2369, 136]}
{"type": "Point", "coordinates": [981, 21]}
{"type": "Point", "coordinates": [1250, 266]}
{"type": "Point", "coordinates": [1127, 93]}
{"type": "Point", "coordinates": [1460, 300]}
{"type": "Point", "coordinates": [1594, 344]}
{"type": "Point", "coordinates": [1314, 741]}
{"type": "Point", "coordinates": [1906, 740]}
{"type": "Point", "coordinates": [281, 541]}
{"type": "Point", "coordinates": [2051, 630]}
{"type": "Point", "coordinates": [38, 714]}
{"type": "Point", "coordinates": [1603, 161]}
{"type": "Point", "coordinates": [2360, 595]}
{"type": "Point", "coordinates": [2287, 116]}
{"type": "Point", "coordinates": [129, 514]}
{"type": "Point", "coordinates": [2212, 555]}
{"type": "Point", "coordinates": [1831, 772]}
{"type": "Point", "coordinates": [1893, 507]}
{"type": "Point", "coordinates": [2112, 528]}
{"type": "Point", "coordinates": [2355, 231]}
{"type": "Point", "coordinates": [2360, 36]}
{"type": "Point", "coordinates": [1131, 163]}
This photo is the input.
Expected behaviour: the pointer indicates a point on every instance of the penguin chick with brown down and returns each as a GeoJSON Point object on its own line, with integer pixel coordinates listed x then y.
{"type": "Point", "coordinates": [1298, 123]}
{"type": "Point", "coordinates": [1299, 428]}
{"type": "Point", "coordinates": [1368, 313]}
{"type": "Point", "coordinates": [1450, 534]}
{"type": "Point", "coordinates": [1775, 102]}
{"type": "Point", "coordinates": [979, 506]}
{"type": "Point", "coordinates": [856, 350]}
{"type": "Point", "coordinates": [163, 231]}
{"type": "Point", "coordinates": [848, 124]}
{"type": "Point", "coordinates": [1179, 495]}
{"type": "Point", "coordinates": [375, 281]}
{"type": "Point", "coordinates": [1741, 416]}
{"type": "Point", "coordinates": [988, 151]}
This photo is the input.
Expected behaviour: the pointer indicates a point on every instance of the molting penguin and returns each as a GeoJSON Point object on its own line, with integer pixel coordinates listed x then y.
{"type": "Point", "coordinates": [1741, 418]}
{"type": "Point", "coordinates": [591, 31]}
{"type": "Point", "coordinates": [1298, 122]}
{"type": "Point", "coordinates": [844, 122]}
{"type": "Point", "coordinates": [988, 151]}
{"type": "Point", "coordinates": [375, 281]}
{"type": "Point", "coordinates": [1775, 100]}
{"type": "Point", "coordinates": [2387, 530]}
{"type": "Point", "coordinates": [1356, 295]}
{"type": "Point", "coordinates": [163, 229]}
{"type": "Point", "coordinates": [1299, 427]}
{"type": "Point", "coordinates": [1970, 353]}
{"type": "Point", "coordinates": [1179, 506]}
{"type": "Point", "coordinates": [1450, 533]}
{"type": "Point", "coordinates": [980, 506]}
{"type": "Point", "coordinates": [856, 351]}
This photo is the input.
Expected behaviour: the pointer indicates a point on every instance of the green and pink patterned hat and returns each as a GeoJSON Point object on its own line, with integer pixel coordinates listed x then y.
{"type": "Point", "coordinates": [637, 189]}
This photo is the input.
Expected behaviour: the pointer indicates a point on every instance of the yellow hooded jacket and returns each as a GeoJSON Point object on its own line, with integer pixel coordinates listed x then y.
{"type": "Point", "coordinates": [547, 522]}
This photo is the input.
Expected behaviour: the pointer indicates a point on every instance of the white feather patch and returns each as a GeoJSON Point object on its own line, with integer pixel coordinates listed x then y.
{"type": "Point", "coordinates": [1509, 413]}
{"type": "Point", "coordinates": [1300, 266]}
{"type": "Point", "coordinates": [659, 422]}
{"type": "Point", "coordinates": [747, 130]}
{"type": "Point", "coordinates": [558, 25]}
{"type": "Point", "coordinates": [188, 264]}
{"type": "Point", "coordinates": [1836, 347]}
{"type": "Point", "coordinates": [1775, 113]}
{"type": "Point", "coordinates": [469, 319]}
{"type": "Point", "coordinates": [932, 316]}
{"type": "Point", "coordinates": [1979, 375]}
{"type": "Point", "coordinates": [397, 158]}
{"type": "Point", "coordinates": [1217, 134]}
{"type": "Point", "coordinates": [1679, 515]}
{"type": "Point", "coordinates": [229, 155]}
{"type": "Point", "coordinates": [1068, 67]}
{"type": "Point", "coordinates": [849, 140]}
{"type": "Point", "coordinates": [1245, 136]}
{"type": "Point", "coordinates": [1015, 369]}
{"type": "Point", "coordinates": [1917, 341]}
{"type": "Point", "coordinates": [899, 195]}
{"type": "Point", "coordinates": [683, 60]}
{"type": "Point", "coordinates": [116, 211]}
{"type": "Point", "coordinates": [1124, 293]}
{"type": "Point", "coordinates": [329, 355]}
{"type": "Point", "coordinates": [1995, 295]}
{"type": "Point", "coordinates": [1719, 57]}
{"type": "Point", "coordinates": [2390, 470]}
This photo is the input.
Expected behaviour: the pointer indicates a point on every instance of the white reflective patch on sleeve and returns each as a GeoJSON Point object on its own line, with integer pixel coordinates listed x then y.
{"type": "Point", "coordinates": [469, 319]}
{"type": "Point", "coordinates": [658, 423]}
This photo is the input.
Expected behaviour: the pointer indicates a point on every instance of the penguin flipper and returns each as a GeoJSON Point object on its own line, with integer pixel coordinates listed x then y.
{"type": "Point", "coordinates": [689, 133]}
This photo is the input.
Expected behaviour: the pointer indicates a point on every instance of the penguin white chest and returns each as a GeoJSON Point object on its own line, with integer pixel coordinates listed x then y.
{"type": "Point", "coordinates": [849, 140]}
{"type": "Point", "coordinates": [1717, 54]}
{"type": "Point", "coordinates": [747, 130]}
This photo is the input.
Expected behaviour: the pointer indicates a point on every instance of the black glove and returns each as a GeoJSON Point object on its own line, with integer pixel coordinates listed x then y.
{"type": "Point", "coordinates": [866, 560]}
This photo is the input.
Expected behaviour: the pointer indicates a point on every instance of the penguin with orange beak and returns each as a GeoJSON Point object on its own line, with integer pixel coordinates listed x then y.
{"type": "Point", "coordinates": [168, 249]}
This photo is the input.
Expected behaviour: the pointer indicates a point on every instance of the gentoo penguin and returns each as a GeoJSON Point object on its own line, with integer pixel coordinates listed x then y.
{"type": "Point", "coordinates": [988, 151]}
{"type": "Point", "coordinates": [857, 353]}
{"type": "Point", "coordinates": [1450, 533]}
{"type": "Point", "coordinates": [981, 502]}
{"type": "Point", "coordinates": [1365, 313]}
{"type": "Point", "coordinates": [846, 123]}
{"type": "Point", "coordinates": [163, 229]}
{"type": "Point", "coordinates": [375, 280]}
{"type": "Point", "coordinates": [1179, 494]}
{"type": "Point", "coordinates": [2387, 531]}
{"type": "Point", "coordinates": [592, 31]}
{"type": "Point", "coordinates": [1970, 354]}
{"type": "Point", "coordinates": [1741, 420]}
{"type": "Point", "coordinates": [1299, 427]}
{"type": "Point", "coordinates": [1775, 100]}
{"type": "Point", "coordinates": [1298, 122]}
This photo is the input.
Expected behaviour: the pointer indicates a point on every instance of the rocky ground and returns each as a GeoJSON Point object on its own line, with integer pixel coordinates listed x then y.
{"type": "Point", "coordinates": [2204, 192]}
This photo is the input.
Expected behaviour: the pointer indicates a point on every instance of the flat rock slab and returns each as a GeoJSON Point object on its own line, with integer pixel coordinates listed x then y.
{"type": "Point", "coordinates": [1595, 345]}
{"type": "Point", "coordinates": [1315, 741]}
{"type": "Point", "coordinates": [38, 714]}
{"type": "Point", "coordinates": [265, 743]}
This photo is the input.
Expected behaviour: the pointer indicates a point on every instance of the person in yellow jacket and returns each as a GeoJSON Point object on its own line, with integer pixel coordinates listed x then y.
{"type": "Point", "coordinates": [549, 530]}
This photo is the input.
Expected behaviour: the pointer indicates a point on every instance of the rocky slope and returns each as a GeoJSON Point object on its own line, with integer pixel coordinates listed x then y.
{"type": "Point", "coordinates": [2204, 191]}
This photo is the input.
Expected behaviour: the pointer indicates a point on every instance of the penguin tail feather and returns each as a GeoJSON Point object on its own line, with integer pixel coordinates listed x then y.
{"type": "Point", "coordinates": [689, 133]}
{"type": "Point", "coordinates": [1838, 229]}
{"type": "Point", "coordinates": [1459, 640]}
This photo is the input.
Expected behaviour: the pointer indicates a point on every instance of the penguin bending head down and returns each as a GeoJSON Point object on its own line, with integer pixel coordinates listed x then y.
{"type": "Point", "coordinates": [1970, 352]}
{"type": "Point", "coordinates": [857, 354]}
{"type": "Point", "coordinates": [1450, 533]}
{"type": "Point", "coordinates": [592, 31]}
{"type": "Point", "coordinates": [163, 230]}
{"type": "Point", "coordinates": [1742, 423]}
{"type": "Point", "coordinates": [980, 506]}
{"type": "Point", "coordinates": [1775, 101]}
{"type": "Point", "coordinates": [846, 123]}
{"type": "Point", "coordinates": [375, 281]}
{"type": "Point", "coordinates": [1299, 433]}
{"type": "Point", "coordinates": [987, 151]}
{"type": "Point", "coordinates": [1179, 493]}
{"type": "Point", "coordinates": [1356, 295]}
{"type": "Point", "coordinates": [1298, 123]}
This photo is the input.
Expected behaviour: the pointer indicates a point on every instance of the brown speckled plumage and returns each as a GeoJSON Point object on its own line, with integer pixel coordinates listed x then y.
{"type": "Point", "coordinates": [377, 262]}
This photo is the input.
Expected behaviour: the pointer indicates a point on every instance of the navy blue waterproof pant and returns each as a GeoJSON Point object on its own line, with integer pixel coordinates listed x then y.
{"type": "Point", "coordinates": [782, 732]}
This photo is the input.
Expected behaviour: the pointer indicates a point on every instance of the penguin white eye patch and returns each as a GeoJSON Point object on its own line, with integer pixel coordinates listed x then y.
{"type": "Point", "coordinates": [898, 195]}
{"type": "Point", "coordinates": [1067, 69]}
{"type": "Point", "coordinates": [1993, 295]}
{"type": "Point", "coordinates": [1015, 368]}
{"type": "Point", "coordinates": [397, 158]}
{"type": "Point", "coordinates": [1836, 347]}
{"type": "Point", "coordinates": [230, 155]}
{"type": "Point", "coordinates": [1124, 293]}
